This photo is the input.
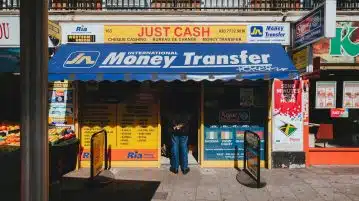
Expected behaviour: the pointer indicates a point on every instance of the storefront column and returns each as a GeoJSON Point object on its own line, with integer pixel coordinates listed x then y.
{"type": "Point", "coordinates": [34, 84]}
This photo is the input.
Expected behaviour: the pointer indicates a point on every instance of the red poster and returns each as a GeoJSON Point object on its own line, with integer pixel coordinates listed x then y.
{"type": "Point", "coordinates": [287, 115]}
{"type": "Point", "coordinates": [288, 98]}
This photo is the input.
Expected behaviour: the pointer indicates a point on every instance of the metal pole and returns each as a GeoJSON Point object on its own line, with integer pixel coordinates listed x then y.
{"type": "Point", "coordinates": [33, 70]}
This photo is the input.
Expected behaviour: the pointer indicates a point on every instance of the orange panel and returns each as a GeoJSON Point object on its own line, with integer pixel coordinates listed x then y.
{"type": "Point", "coordinates": [333, 156]}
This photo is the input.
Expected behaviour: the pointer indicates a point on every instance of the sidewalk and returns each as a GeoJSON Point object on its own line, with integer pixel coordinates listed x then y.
{"type": "Point", "coordinates": [312, 184]}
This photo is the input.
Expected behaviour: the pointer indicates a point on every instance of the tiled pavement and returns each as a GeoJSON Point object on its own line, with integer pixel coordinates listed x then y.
{"type": "Point", "coordinates": [311, 184]}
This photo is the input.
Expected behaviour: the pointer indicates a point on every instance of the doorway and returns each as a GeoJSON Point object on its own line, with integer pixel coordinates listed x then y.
{"type": "Point", "coordinates": [180, 96]}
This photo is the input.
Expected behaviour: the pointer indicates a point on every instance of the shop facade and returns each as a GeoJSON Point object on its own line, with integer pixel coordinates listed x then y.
{"type": "Point", "coordinates": [332, 132]}
{"type": "Point", "coordinates": [127, 77]}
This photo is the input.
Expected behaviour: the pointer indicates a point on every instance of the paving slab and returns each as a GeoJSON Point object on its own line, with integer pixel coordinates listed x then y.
{"type": "Point", "coordinates": [206, 184]}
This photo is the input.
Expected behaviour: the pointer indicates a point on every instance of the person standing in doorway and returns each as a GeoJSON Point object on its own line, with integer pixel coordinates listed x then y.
{"type": "Point", "coordinates": [179, 130]}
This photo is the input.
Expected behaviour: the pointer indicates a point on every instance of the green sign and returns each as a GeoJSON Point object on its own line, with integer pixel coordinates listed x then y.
{"type": "Point", "coordinates": [343, 48]}
{"type": "Point", "coordinates": [343, 43]}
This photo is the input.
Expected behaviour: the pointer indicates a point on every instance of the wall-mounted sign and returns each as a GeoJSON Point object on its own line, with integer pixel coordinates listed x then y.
{"type": "Point", "coordinates": [9, 31]}
{"type": "Point", "coordinates": [54, 32]}
{"type": "Point", "coordinates": [234, 116]}
{"type": "Point", "coordinates": [319, 23]}
{"type": "Point", "coordinates": [300, 59]}
{"type": "Point", "coordinates": [309, 28]}
{"type": "Point", "coordinates": [343, 48]}
{"type": "Point", "coordinates": [198, 33]}
{"type": "Point", "coordinates": [82, 32]}
{"type": "Point", "coordinates": [287, 126]}
{"type": "Point", "coordinates": [175, 33]}
{"type": "Point", "coordinates": [339, 113]}
{"type": "Point", "coordinates": [351, 94]}
{"type": "Point", "coordinates": [269, 33]}
{"type": "Point", "coordinates": [325, 95]}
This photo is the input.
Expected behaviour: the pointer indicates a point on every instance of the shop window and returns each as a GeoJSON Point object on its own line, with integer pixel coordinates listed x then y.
{"type": "Point", "coordinates": [336, 126]}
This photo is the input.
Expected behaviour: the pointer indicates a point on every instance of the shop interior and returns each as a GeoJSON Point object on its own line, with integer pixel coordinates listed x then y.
{"type": "Point", "coordinates": [339, 132]}
{"type": "Point", "coordinates": [229, 103]}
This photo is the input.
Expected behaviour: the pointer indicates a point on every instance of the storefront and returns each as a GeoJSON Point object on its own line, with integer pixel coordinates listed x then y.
{"type": "Point", "coordinates": [333, 137]}
{"type": "Point", "coordinates": [129, 90]}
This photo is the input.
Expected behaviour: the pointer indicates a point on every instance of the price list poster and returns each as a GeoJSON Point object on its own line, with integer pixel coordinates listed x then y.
{"type": "Point", "coordinates": [138, 133]}
{"type": "Point", "coordinates": [94, 118]}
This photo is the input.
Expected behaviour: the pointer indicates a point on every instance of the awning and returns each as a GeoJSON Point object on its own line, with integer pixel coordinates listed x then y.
{"type": "Point", "coordinates": [170, 62]}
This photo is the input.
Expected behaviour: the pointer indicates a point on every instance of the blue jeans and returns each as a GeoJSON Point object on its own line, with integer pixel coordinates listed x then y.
{"type": "Point", "coordinates": [179, 152]}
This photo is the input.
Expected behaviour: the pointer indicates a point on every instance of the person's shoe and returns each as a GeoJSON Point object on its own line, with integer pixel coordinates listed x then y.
{"type": "Point", "coordinates": [175, 171]}
{"type": "Point", "coordinates": [186, 171]}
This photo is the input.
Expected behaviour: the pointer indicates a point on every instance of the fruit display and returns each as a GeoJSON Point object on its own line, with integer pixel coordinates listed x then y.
{"type": "Point", "coordinates": [6, 128]}
{"type": "Point", "coordinates": [56, 135]}
{"type": "Point", "coordinates": [10, 139]}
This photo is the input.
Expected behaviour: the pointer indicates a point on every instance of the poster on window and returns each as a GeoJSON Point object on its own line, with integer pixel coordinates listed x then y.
{"type": "Point", "coordinates": [351, 94]}
{"type": "Point", "coordinates": [287, 116]}
{"type": "Point", "coordinates": [246, 97]}
{"type": "Point", "coordinates": [325, 95]}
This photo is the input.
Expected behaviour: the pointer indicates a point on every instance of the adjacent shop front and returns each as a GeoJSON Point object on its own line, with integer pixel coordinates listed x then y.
{"type": "Point", "coordinates": [334, 99]}
{"type": "Point", "coordinates": [63, 144]}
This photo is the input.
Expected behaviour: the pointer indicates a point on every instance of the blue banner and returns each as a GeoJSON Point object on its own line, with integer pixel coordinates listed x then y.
{"type": "Point", "coordinates": [227, 142]}
{"type": "Point", "coordinates": [172, 61]}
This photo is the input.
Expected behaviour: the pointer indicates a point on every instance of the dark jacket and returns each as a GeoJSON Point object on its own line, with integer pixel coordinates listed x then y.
{"type": "Point", "coordinates": [178, 120]}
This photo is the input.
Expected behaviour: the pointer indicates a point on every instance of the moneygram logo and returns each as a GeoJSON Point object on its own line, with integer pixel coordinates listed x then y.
{"type": "Point", "coordinates": [82, 59]}
{"type": "Point", "coordinates": [256, 31]}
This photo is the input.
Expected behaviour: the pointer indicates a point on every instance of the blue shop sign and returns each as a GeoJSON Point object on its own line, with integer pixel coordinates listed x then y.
{"type": "Point", "coordinates": [171, 61]}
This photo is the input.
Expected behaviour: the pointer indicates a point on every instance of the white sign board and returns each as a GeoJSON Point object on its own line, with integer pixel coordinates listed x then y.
{"type": "Point", "coordinates": [269, 33]}
{"type": "Point", "coordinates": [82, 32]}
{"type": "Point", "coordinates": [9, 31]}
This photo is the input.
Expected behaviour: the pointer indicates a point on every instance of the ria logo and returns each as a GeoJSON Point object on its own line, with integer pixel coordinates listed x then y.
{"type": "Point", "coordinates": [256, 31]}
{"type": "Point", "coordinates": [82, 59]}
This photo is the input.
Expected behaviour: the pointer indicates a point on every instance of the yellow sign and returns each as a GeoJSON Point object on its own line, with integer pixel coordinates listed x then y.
{"type": "Point", "coordinates": [94, 118]}
{"type": "Point", "coordinates": [98, 153]}
{"type": "Point", "coordinates": [54, 30]}
{"type": "Point", "coordinates": [137, 126]}
{"type": "Point", "coordinates": [175, 34]}
{"type": "Point", "coordinates": [300, 59]}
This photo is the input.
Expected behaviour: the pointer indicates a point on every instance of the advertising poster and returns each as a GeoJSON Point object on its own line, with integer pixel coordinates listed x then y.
{"type": "Point", "coordinates": [225, 142]}
{"type": "Point", "coordinates": [351, 94]}
{"type": "Point", "coordinates": [287, 126]}
{"type": "Point", "coordinates": [246, 97]}
{"type": "Point", "coordinates": [61, 108]}
{"type": "Point", "coordinates": [343, 48]}
{"type": "Point", "coordinates": [137, 132]}
{"type": "Point", "coordinates": [175, 33]}
{"type": "Point", "coordinates": [325, 95]}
